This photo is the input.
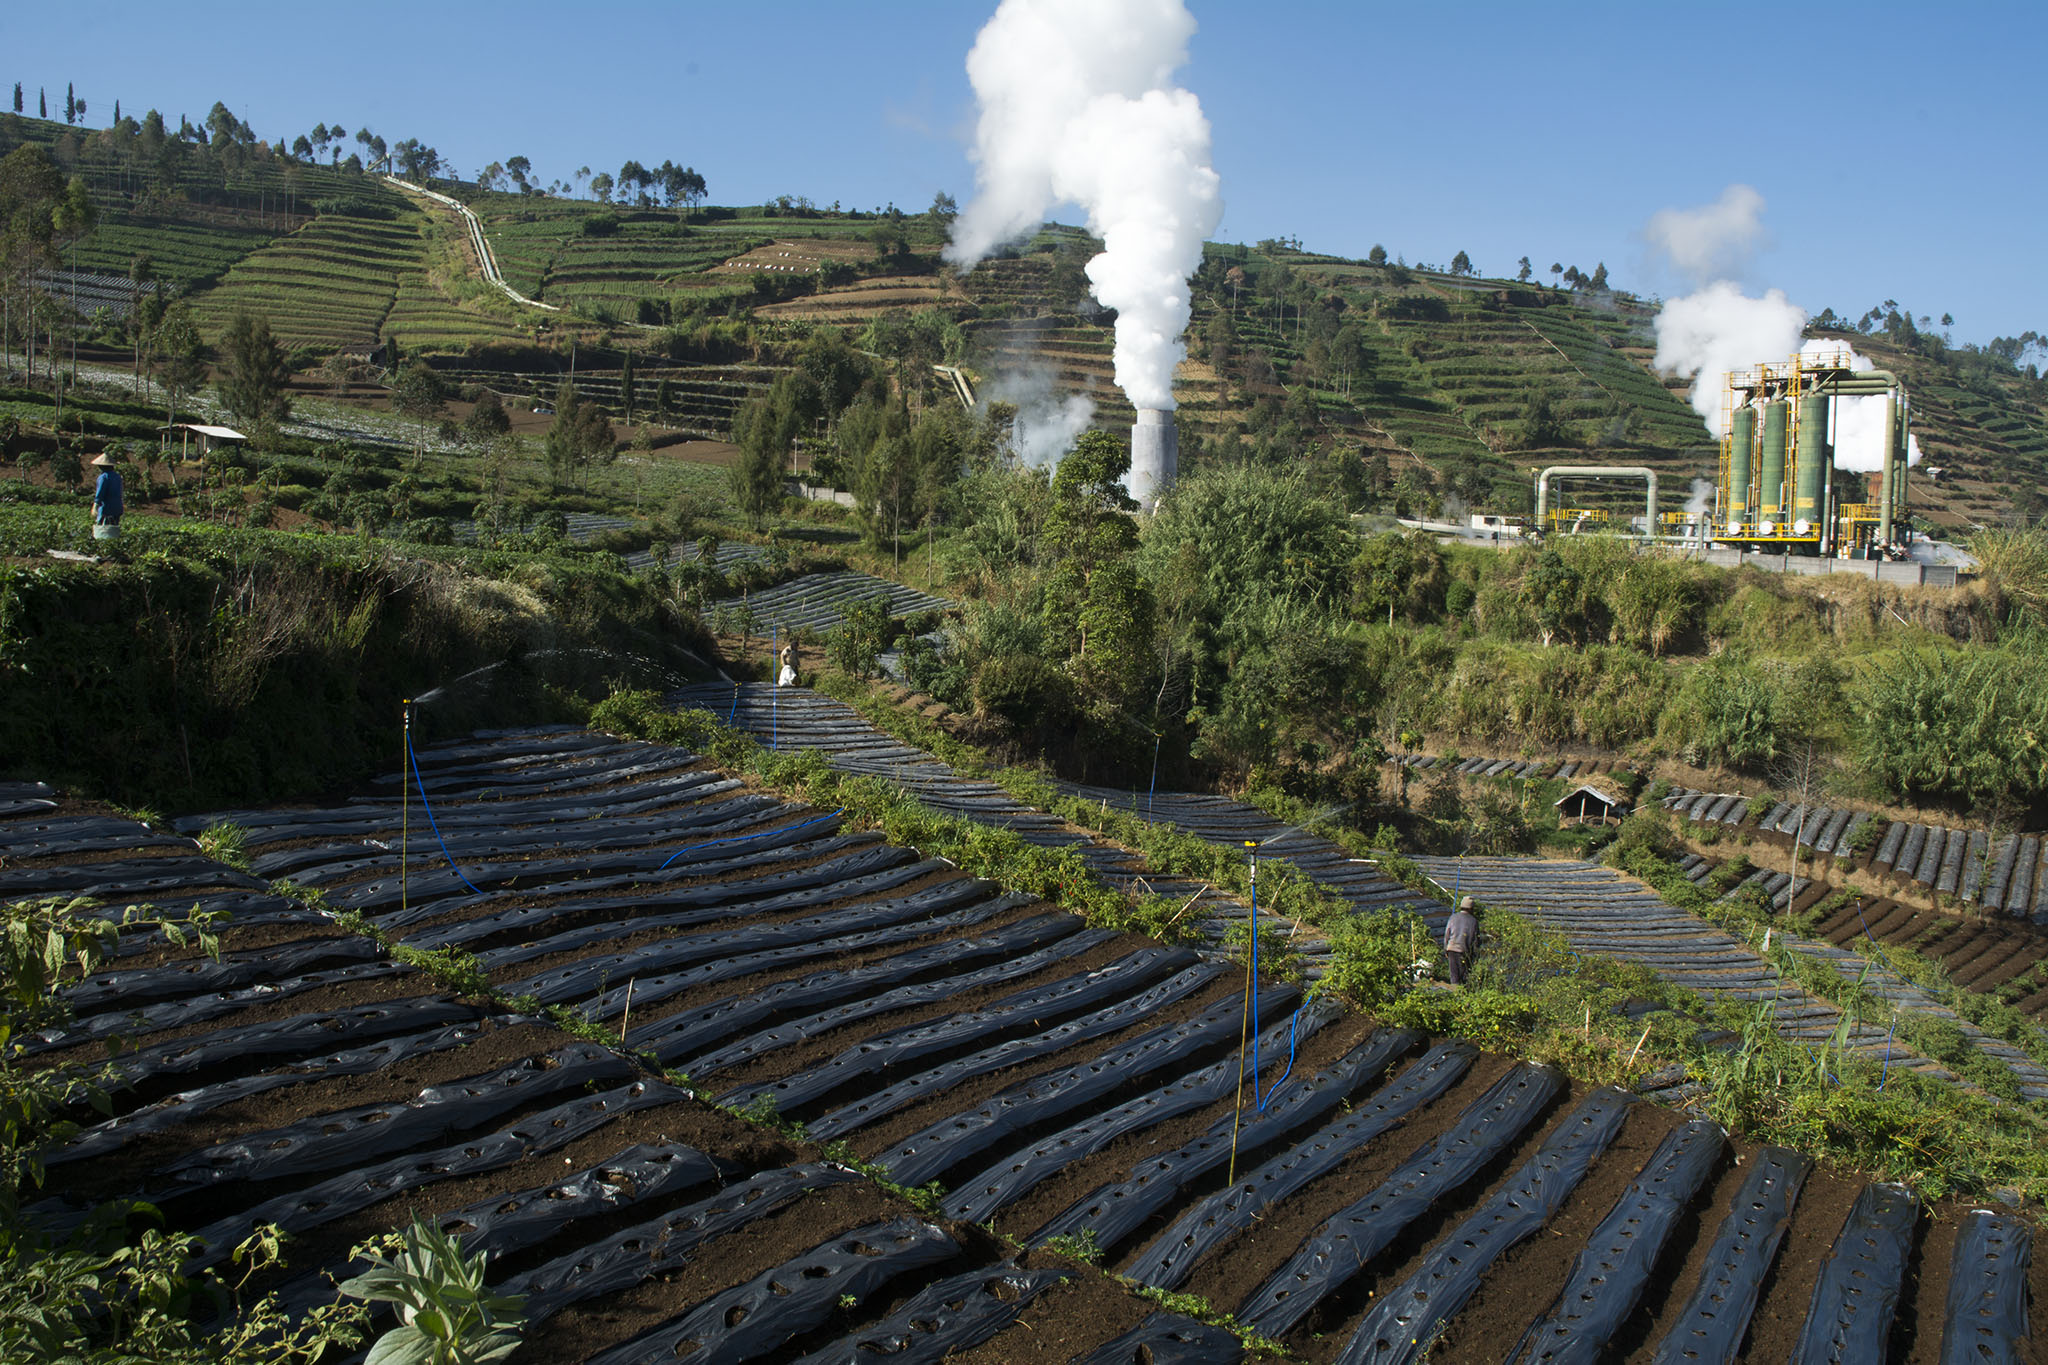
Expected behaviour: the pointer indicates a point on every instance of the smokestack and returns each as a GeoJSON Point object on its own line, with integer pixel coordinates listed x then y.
{"type": "Point", "coordinates": [1155, 456]}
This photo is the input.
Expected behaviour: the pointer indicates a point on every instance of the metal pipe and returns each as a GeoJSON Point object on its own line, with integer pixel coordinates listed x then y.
{"type": "Point", "coordinates": [1598, 471]}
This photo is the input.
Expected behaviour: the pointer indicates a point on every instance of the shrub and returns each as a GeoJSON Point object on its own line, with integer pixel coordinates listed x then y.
{"type": "Point", "coordinates": [1025, 691]}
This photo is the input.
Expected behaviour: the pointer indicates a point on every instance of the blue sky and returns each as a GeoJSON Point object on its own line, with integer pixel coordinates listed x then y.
{"type": "Point", "coordinates": [1900, 152]}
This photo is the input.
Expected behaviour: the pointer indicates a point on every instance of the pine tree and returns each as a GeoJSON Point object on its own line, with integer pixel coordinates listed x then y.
{"type": "Point", "coordinates": [70, 104]}
{"type": "Point", "coordinates": [17, 97]}
{"type": "Point", "coordinates": [42, 103]}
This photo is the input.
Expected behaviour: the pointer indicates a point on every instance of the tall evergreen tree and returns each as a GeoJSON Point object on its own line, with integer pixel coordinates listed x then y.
{"type": "Point", "coordinates": [254, 372]}
{"type": "Point", "coordinates": [17, 97]}
{"type": "Point", "coordinates": [70, 104]}
{"type": "Point", "coordinates": [42, 103]}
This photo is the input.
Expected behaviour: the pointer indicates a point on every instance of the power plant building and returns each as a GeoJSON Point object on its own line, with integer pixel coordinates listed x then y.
{"type": "Point", "coordinates": [1779, 489]}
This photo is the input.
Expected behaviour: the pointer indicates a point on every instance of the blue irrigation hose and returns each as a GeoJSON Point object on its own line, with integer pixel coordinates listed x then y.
{"type": "Point", "coordinates": [757, 834]}
{"type": "Point", "coordinates": [735, 710]}
{"type": "Point", "coordinates": [1293, 1024]}
{"type": "Point", "coordinates": [433, 824]}
{"type": "Point", "coordinates": [1255, 981]}
{"type": "Point", "coordinates": [1293, 1028]}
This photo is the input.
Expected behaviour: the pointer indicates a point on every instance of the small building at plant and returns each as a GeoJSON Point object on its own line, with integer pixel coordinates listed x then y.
{"type": "Point", "coordinates": [1589, 805]}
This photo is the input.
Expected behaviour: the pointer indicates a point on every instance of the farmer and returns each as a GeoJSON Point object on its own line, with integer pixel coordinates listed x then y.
{"type": "Point", "coordinates": [1461, 936]}
{"type": "Point", "coordinates": [106, 499]}
{"type": "Point", "coordinates": [787, 677]}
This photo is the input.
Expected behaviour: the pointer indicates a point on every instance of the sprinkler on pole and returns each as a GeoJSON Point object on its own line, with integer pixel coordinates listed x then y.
{"type": "Point", "coordinates": [404, 798]}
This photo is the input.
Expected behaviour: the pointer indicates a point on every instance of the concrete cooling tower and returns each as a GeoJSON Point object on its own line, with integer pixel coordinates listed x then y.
{"type": "Point", "coordinates": [1155, 456]}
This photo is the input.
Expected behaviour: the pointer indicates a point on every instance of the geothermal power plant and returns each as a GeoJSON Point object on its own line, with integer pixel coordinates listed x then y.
{"type": "Point", "coordinates": [1155, 456]}
{"type": "Point", "coordinates": [1779, 489]}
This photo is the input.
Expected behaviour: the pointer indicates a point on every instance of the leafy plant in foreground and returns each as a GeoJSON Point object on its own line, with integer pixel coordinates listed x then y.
{"type": "Point", "coordinates": [445, 1314]}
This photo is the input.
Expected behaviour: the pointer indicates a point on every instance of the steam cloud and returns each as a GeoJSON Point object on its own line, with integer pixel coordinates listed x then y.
{"type": "Point", "coordinates": [1706, 334]}
{"type": "Point", "coordinates": [1859, 426]}
{"type": "Point", "coordinates": [1714, 241]}
{"type": "Point", "coordinates": [1718, 328]}
{"type": "Point", "coordinates": [1047, 425]}
{"type": "Point", "coordinates": [1078, 106]}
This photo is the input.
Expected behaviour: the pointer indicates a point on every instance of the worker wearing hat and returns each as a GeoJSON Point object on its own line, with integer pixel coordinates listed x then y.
{"type": "Point", "coordinates": [106, 499]}
{"type": "Point", "coordinates": [1461, 936]}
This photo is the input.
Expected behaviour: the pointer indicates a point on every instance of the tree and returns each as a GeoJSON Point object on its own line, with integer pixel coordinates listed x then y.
{"type": "Point", "coordinates": [580, 436]}
{"type": "Point", "coordinates": [944, 209]}
{"type": "Point", "coordinates": [254, 373]}
{"type": "Point", "coordinates": [417, 160]}
{"type": "Point", "coordinates": [601, 187]}
{"type": "Point", "coordinates": [72, 220]}
{"type": "Point", "coordinates": [1554, 591]}
{"type": "Point", "coordinates": [42, 103]}
{"type": "Point", "coordinates": [17, 97]}
{"type": "Point", "coordinates": [1523, 269]}
{"type": "Point", "coordinates": [30, 191]}
{"type": "Point", "coordinates": [1461, 264]}
{"type": "Point", "coordinates": [1377, 256]}
{"type": "Point", "coordinates": [519, 168]}
{"type": "Point", "coordinates": [1542, 427]}
{"type": "Point", "coordinates": [70, 104]}
{"type": "Point", "coordinates": [626, 386]}
{"type": "Point", "coordinates": [145, 309]}
{"type": "Point", "coordinates": [1598, 280]}
{"type": "Point", "coordinates": [418, 393]}
{"type": "Point", "coordinates": [178, 358]}
{"type": "Point", "coordinates": [1556, 269]}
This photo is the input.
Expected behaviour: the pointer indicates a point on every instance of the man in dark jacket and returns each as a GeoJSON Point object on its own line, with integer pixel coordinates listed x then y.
{"type": "Point", "coordinates": [1461, 937]}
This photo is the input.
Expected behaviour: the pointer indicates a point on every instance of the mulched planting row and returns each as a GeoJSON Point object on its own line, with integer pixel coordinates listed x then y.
{"type": "Point", "coordinates": [1866, 964]}
{"type": "Point", "coordinates": [1046, 1076]}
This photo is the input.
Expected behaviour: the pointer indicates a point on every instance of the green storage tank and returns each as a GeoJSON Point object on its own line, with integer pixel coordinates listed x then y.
{"type": "Point", "coordinates": [1809, 470]}
{"type": "Point", "coordinates": [1741, 449]}
{"type": "Point", "coordinates": [1771, 475]}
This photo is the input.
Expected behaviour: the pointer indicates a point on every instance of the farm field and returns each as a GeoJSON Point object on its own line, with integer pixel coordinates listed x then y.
{"type": "Point", "coordinates": [1056, 1081]}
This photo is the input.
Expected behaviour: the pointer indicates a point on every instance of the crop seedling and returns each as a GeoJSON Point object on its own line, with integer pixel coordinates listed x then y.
{"type": "Point", "coordinates": [1081, 1247]}
{"type": "Point", "coordinates": [224, 843]}
{"type": "Point", "coordinates": [446, 1316]}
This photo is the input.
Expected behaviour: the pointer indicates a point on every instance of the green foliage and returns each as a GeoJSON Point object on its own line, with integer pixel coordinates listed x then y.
{"type": "Point", "coordinates": [1082, 1248]}
{"type": "Point", "coordinates": [446, 1315]}
{"type": "Point", "coordinates": [102, 1291]}
{"type": "Point", "coordinates": [861, 637]}
{"type": "Point", "coordinates": [225, 843]}
{"type": "Point", "coordinates": [254, 372]}
{"type": "Point", "coordinates": [1970, 727]}
{"type": "Point", "coordinates": [252, 666]}
{"type": "Point", "coordinates": [1733, 713]}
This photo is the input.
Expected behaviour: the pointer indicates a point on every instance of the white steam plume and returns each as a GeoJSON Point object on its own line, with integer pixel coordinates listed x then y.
{"type": "Point", "coordinates": [1705, 335]}
{"type": "Point", "coordinates": [1047, 425]}
{"type": "Point", "coordinates": [1718, 328]}
{"type": "Point", "coordinates": [1714, 241]}
{"type": "Point", "coordinates": [1861, 424]}
{"type": "Point", "coordinates": [1078, 106]}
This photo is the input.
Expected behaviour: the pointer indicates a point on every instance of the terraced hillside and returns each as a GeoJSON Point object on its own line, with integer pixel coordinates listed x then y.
{"type": "Point", "coordinates": [1381, 1193]}
{"type": "Point", "coordinates": [347, 282]}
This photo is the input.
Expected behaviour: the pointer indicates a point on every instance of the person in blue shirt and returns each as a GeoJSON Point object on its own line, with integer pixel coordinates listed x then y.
{"type": "Point", "coordinates": [106, 499]}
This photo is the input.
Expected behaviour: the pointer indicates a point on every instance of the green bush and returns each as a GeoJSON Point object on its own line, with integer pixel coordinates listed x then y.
{"type": "Point", "coordinates": [1962, 726]}
{"type": "Point", "coordinates": [1025, 691]}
